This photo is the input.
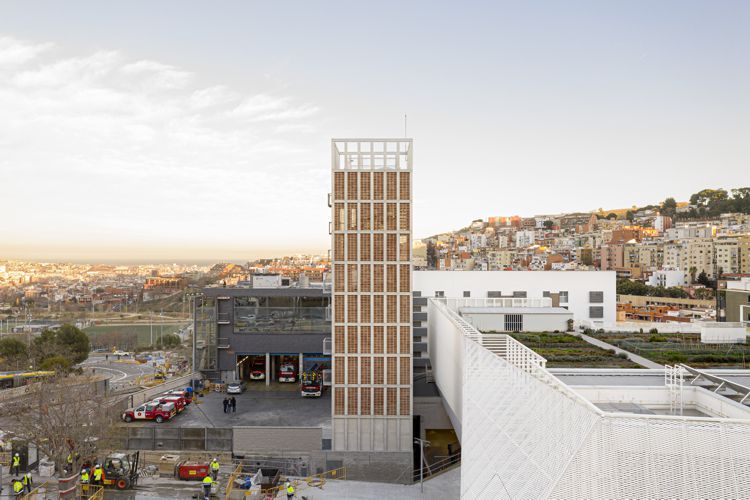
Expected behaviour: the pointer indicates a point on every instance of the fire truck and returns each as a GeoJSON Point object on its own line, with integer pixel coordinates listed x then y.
{"type": "Point", "coordinates": [311, 383]}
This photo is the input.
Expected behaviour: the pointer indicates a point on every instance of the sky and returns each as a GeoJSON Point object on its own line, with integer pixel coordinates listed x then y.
{"type": "Point", "coordinates": [183, 131]}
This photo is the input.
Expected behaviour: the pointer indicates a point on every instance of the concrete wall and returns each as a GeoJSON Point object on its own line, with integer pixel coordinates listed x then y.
{"type": "Point", "coordinates": [174, 438]}
{"type": "Point", "coordinates": [432, 413]}
{"type": "Point", "coordinates": [275, 439]}
{"type": "Point", "coordinates": [495, 322]}
{"type": "Point", "coordinates": [141, 397]}
{"type": "Point", "coordinates": [578, 284]}
{"type": "Point", "coordinates": [384, 467]}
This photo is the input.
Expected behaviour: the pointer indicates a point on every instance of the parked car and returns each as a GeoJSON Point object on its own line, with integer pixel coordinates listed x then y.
{"type": "Point", "coordinates": [188, 396]}
{"type": "Point", "coordinates": [236, 388]}
{"type": "Point", "coordinates": [178, 401]}
{"type": "Point", "coordinates": [151, 411]}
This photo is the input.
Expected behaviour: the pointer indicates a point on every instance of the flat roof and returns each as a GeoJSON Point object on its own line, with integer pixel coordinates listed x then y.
{"type": "Point", "coordinates": [514, 310]}
{"type": "Point", "coordinates": [633, 376]}
{"type": "Point", "coordinates": [265, 292]}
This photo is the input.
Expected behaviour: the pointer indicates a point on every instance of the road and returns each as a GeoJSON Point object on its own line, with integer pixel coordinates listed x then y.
{"type": "Point", "coordinates": [121, 373]}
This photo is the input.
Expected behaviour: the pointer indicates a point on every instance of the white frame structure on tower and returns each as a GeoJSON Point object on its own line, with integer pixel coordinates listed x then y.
{"type": "Point", "coordinates": [371, 214]}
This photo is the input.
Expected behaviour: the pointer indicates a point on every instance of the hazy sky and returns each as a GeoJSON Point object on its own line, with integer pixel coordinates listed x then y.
{"type": "Point", "coordinates": [194, 130]}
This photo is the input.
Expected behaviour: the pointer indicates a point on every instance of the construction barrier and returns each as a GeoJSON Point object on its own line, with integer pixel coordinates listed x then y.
{"type": "Point", "coordinates": [47, 489]}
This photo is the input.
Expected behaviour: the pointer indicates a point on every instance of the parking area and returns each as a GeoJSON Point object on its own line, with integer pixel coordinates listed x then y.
{"type": "Point", "coordinates": [260, 405]}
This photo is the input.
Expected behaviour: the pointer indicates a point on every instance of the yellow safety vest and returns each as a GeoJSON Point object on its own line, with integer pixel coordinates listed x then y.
{"type": "Point", "coordinates": [84, 477]}
{"type": "Point", "coordinates": [70, 458]}
{"type": "Point", "coordinates": [290, 489]}
{"type": "Point", "coordinates": [97, 474]}
{"type": "Point", "coordinates": [26, 479]}
{"type": "Point", "coordinates": [16, 461]}
{"type": "Point", "coordinates": [214, 465]}
{"type": "Point", "coordinates": [17, 487]}
{"type": "Point", "coordinates": [207, 480]}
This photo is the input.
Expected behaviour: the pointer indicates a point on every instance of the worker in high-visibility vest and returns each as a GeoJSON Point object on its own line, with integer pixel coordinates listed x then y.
{"type": "Point", "coordinates": [27, 482]}
{"type": "Point", "coordinates": [85, 476]}
{"type": "Point", "coordinates": [98, 474]}
{"type": "Point", "coordinates": [207, 482]}
{"type": "Point", "coordinates": [214, 469]}
{"type": "Point", "coordinates": [69, 462]}
{"type": "Point", "coordinates": [289, 490]}
{"type": "Point", "coordinates": [18, 488]}
{"type": "Point", "coordinates": [15, 468]}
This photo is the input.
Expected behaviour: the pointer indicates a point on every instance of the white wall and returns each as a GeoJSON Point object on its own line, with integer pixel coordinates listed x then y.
{"type": "Point", "coordinates": [495, 322]}
{"type": "Point", "coordinates": [578, 284]}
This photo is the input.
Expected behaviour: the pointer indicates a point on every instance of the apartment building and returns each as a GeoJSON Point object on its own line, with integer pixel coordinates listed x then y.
{"type": "Point", "coordinates": [743, 245]}
{"type": "Point", "coordinates": [726, 256]}
{"type": "Point", "coordinates": [500, 259]}
{"type": "Point", "coordinates": [372, 299]}
{"type": "Point", "coordinates": [699, 257]}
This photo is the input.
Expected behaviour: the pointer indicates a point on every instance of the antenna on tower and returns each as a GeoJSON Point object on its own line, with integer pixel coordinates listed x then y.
{"type": "Point", "coordinates": [405, 135]}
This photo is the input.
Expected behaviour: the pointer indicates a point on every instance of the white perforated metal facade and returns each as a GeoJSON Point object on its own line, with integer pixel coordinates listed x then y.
{"type": "Point", "coordinates": [525, 434]}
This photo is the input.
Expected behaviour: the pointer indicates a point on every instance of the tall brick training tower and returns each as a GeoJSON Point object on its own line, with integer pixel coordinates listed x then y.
{"type": "Point", "coordinates": [371, 258]}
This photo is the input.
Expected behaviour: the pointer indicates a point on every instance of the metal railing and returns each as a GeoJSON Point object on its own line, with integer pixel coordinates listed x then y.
{"type": "Point", "coordinates": [444, 462]}
{"type": "Point", "coordinates": [43, 491]}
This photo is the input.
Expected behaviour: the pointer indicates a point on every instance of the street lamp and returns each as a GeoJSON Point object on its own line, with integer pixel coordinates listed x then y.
{"type": "Point", "coordinates": [423, 443]}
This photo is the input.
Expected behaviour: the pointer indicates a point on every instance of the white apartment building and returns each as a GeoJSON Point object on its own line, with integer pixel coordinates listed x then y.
{"type": "Point", "coordinates": [525, 238]}
{"type": "Point", "coordinates": [668, 278]}
{"type": "Point", "coordinates": [589, 295]}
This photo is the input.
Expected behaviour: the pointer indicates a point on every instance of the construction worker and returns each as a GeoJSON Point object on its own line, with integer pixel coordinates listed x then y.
{"type": "Point", "coordinates": [98, 474]}
{"type": "Point", "coordinates": [17, 488]}
{"type": "Point", "coordinates": [85, 476]}
{"type": "Point", "coordinates": [15, 468]}
{"type": "Point", "coordinates": [289, 490]}
{"type": "Point", "coordinates": [214, 469]}
{"type": "Point", "coordinates": [207, 482]}
{"type": "Point", "coordinates": [27, 482]}
{"type": "Point", "coordinates": [69, 462]}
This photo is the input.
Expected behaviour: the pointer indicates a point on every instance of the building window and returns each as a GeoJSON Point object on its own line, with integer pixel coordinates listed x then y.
{"type": "Point", "coordinates": [404, 186]}
{"type": "Point", "coordinates": [563, 297]}
{"type": "Point", "coordinates": [467, 293]}
{"type": "Point", "coordinates": [546, 294]}
{"type": "Point", "coordinates": [513, 322]}
{"type": "Point", "coordinates": [494, 294]}
{"type": "Point", "coordinates": [596, 297]}
{"type": "Point", "coordinates": [519, 295]}
{"type": "Point", "coordinates": [596, 312]}
{"type": "Point", "coordinates": [439, 293]}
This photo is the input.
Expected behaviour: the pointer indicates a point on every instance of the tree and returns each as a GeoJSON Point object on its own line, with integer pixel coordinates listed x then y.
{"type": "Point", "coordinates": [548, 224]}
{"type": "Point", "coordinates": [669, 207]}
{"type": "Point", "coordinates": [703, 279]}
{"type": "Point", "coordinates": [66, 341]}
{"type": "Point", "coordinates": [692, 271]}
{"type": "Point", "coordinates": [75, 340]}
{"type": "Point", "coordinates": [630, 215]}
{"type": "Point", "coordinates": [62, 415]}
{"type": "Point", "coordinates": [58, 364]}
{"type": "Point", "coordinates": [13, 352]}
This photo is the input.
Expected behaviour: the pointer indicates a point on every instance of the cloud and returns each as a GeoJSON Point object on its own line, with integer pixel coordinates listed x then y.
{"type": "Point", "coordinates": [13, 52]}
{"type": "Point", "coordinates": [100, 147]}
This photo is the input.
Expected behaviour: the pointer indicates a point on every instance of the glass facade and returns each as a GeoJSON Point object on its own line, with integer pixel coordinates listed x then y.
{"type": "Point", "coordinates": [281, 314]}
{"type": "Point", "coordinates": [205, 333]}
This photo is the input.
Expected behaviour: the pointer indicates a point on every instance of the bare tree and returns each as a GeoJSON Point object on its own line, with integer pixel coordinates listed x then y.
{"type": "Point", "coordinates": [63, 416]}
